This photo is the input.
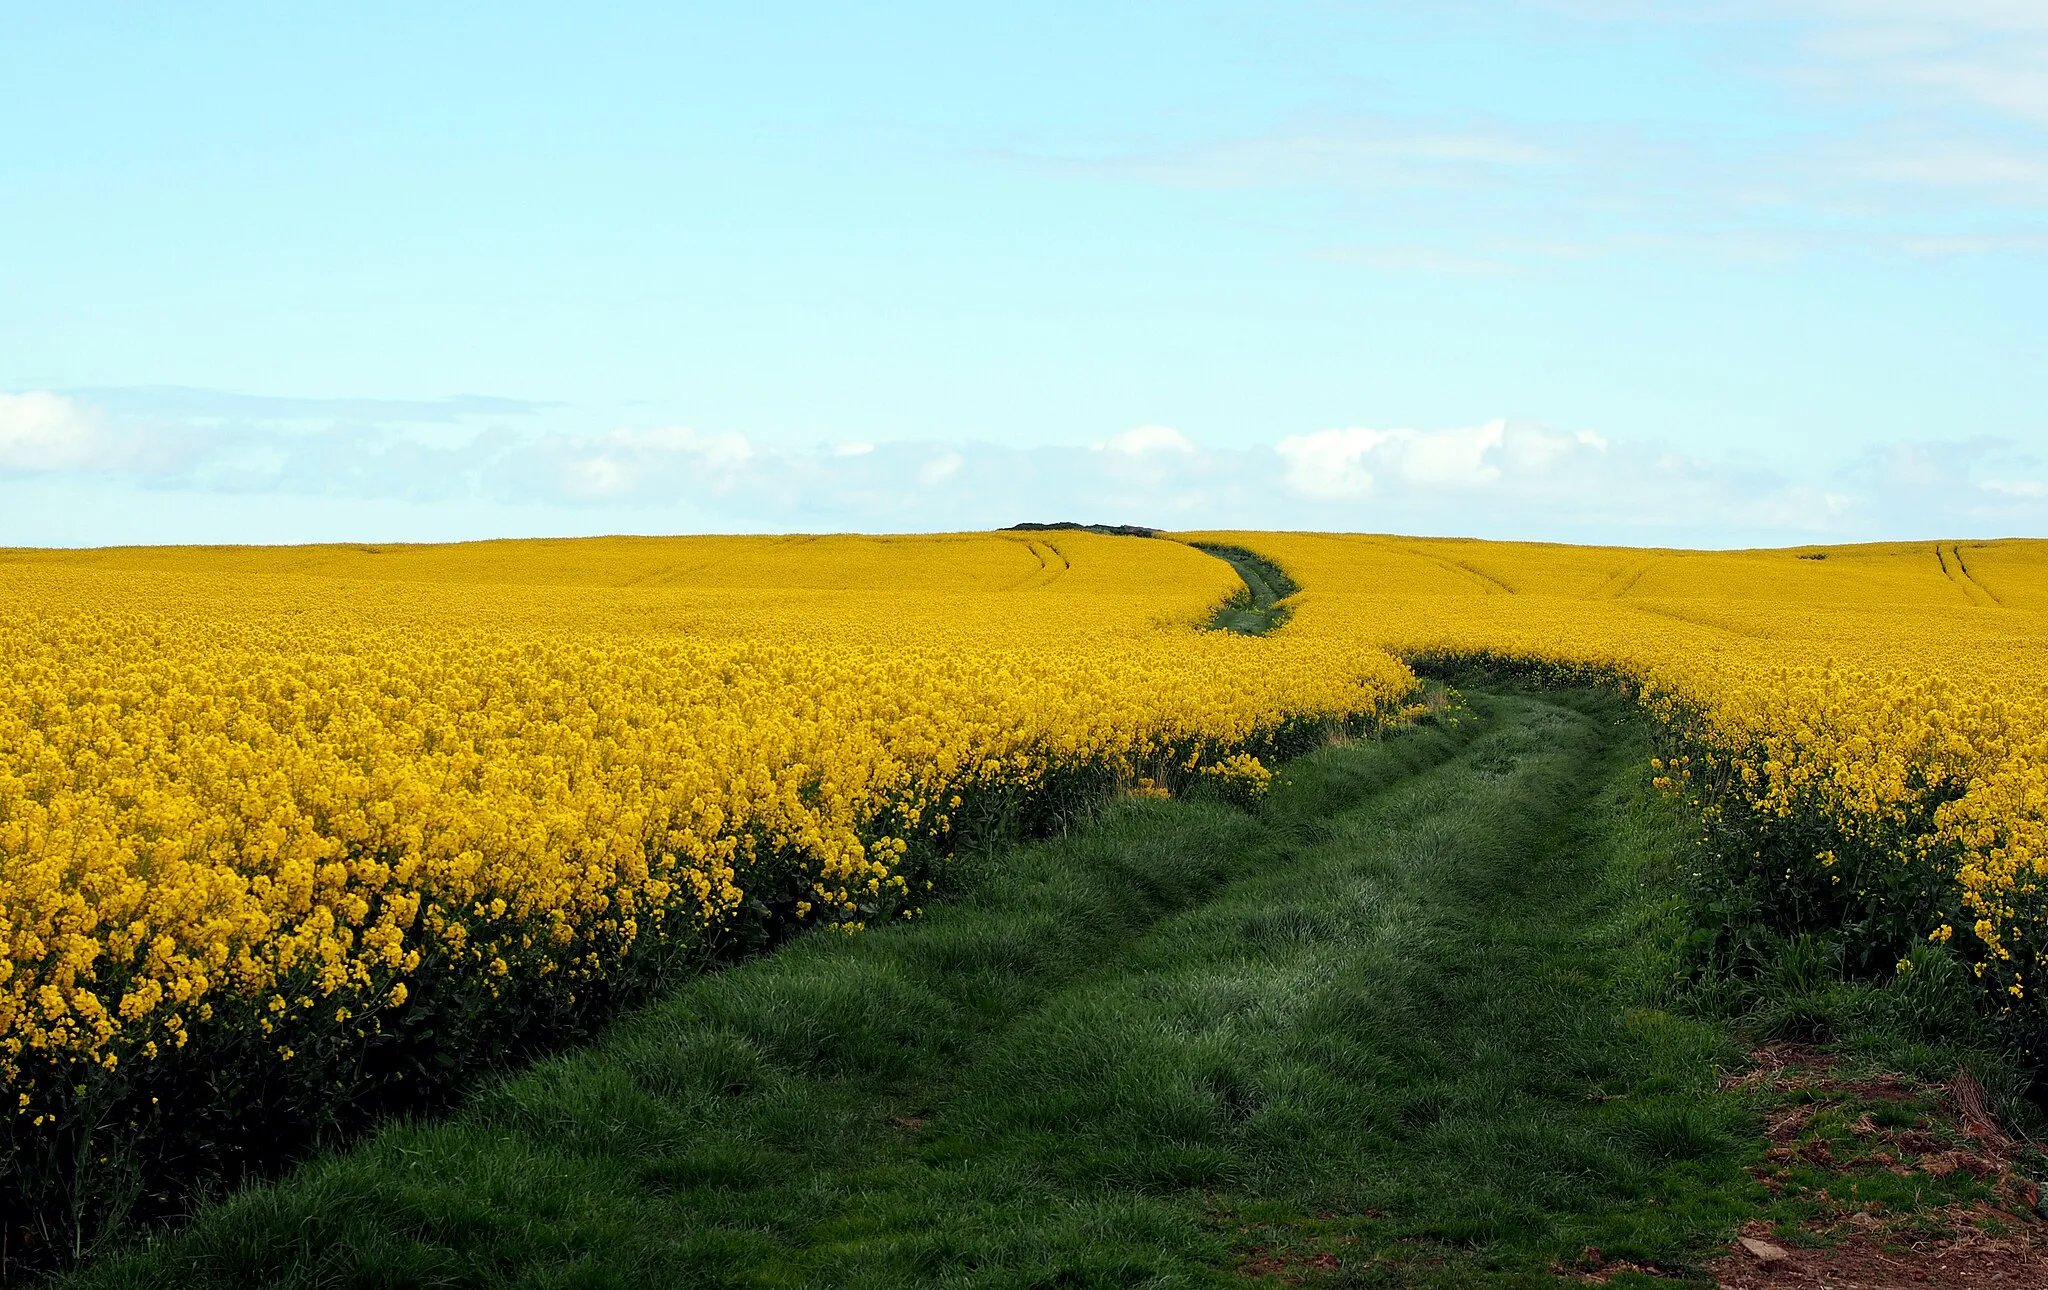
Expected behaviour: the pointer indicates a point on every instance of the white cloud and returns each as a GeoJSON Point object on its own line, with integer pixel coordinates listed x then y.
{"type": "Point", "coordinates": [2018, 487]}
{"type": "Point", "coordinates": [852, 449]}
{"type": "Point", "coordinates": [1331, 463]}
{"type": "Point", "coordinates": [1455, 457]}
{"type": "Point", "coordinates": [1348, 462]}
{"type": "Point", "coordinates": [1499, 478]}
{"type": "Point", "coordinates": [1890, 120]}
{"type": "Point", "coordinates": [1983, 244]}
{"type": "Point", "coordinates": [941, 468]}
{"type": "Point", "coordinates": [1993, 56]}
{"type": "Point", "coordinates": [1994, 168]}
{"type": "Point", "coordinates": [720, 451]}
{"type": "Point", "coordinates": [593, 479]}
{"type": "Point", "coordinates": [632, 463]}
{"type": "Point", "coordinates": [1139, 440]}
{"type": "Point", "coordinates": [44, 431]}
{"type": "Point", "coordinates": [1917, 61]}
{"type": "Point", "coordinates": [1512, 479]}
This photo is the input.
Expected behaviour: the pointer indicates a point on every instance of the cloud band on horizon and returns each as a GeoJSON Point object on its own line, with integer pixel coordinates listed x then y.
{"type": "Point", "coordinates": [1502, 478]}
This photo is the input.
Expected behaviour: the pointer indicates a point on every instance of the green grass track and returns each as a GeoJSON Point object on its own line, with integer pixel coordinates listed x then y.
{"type": "Point", "coordinates": [1385, 1030]}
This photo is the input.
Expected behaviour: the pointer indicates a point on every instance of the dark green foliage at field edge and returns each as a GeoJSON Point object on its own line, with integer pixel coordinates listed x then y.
{"type": "Point", "coordinates": [1395, 1019]}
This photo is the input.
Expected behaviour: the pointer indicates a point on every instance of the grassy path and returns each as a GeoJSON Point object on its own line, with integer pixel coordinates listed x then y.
{"type": "Point", "coordinates": [1377, 1033]}
{"type": "Point", "coordinates": [1256, 610]}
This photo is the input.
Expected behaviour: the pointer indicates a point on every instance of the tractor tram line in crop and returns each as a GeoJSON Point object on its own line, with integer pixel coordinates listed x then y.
{"type": "Point", "coordinates": [1257, 609]}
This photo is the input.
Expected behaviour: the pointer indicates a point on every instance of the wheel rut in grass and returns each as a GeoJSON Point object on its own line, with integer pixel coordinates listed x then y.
{"type": "Point", "coordinates": [1256, 609]}
{"type": "Point", "coordinates": [1372, 1029]}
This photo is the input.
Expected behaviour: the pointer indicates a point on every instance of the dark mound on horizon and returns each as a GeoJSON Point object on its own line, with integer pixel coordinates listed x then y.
{"type": "Point", "coordinates": [1112, 530]}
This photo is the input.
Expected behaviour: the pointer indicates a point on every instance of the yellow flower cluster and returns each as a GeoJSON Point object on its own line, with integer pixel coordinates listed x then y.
{"type": "Point", "coordinates": [1240, 775]}
{"type": "Point", "coordinates": [1897, 693]}
{"type": "Point", "coordinates": [239, 786]}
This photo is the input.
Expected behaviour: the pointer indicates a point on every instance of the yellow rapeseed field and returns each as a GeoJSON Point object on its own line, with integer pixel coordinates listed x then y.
{"type": "Point", "coordinates": [277, 790]}
{"type": "Point", "coordinates": [279, 793]}
{"type": "Point", "coordinates": [1877, 716]}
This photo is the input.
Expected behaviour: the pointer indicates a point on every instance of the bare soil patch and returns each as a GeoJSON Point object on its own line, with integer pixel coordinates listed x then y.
{"type": "Point", "coordinates": [1881, 1181]}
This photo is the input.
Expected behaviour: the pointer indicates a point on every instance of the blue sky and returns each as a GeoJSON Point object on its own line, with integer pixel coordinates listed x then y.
{"type": "Point", "coordinates": [1720, 273]}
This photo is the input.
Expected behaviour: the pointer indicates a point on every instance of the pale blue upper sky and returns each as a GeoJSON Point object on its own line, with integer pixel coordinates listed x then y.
{"type": "Point", "coordinates": [1713, 273]}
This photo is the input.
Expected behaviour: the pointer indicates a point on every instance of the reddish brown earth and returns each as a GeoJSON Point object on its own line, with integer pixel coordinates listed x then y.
{"type": "Point", "coordinates": [1288, 1265]}
{"type": "Point", "coordinates": [1971, 1220]}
